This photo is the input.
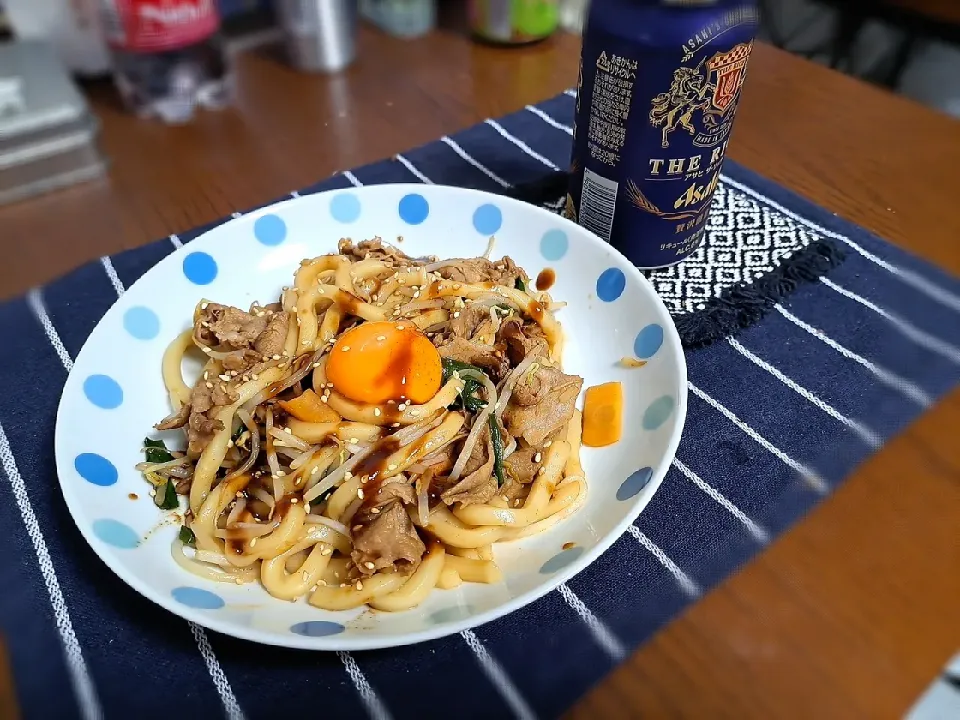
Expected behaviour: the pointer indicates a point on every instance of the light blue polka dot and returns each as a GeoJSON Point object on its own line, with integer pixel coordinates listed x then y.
{"type": "Point", "coordinates": [95, 469]}
{"type": "Point", "coordinates": [610, 284]}
{"type": "Point", "coordinates": [141, 322]}
{"type": "Point", "coordinates": [116, 533]}
{"type": "Point", "coordinates": [554, 244]}
{"type": "Point", "coordinates": [197, 598]}
{"type": "Point", "coordinates": [648, 341]}
{"type": "Point", "coordinates": [413, 208]}
{"type": "Point", "coordinates": [487, 219]}
{"type": "Point", "coordinates": [103, 391]}
{"type": "Point", "coordinates": [270, 229]}
{"type": "Point", "coordinates": [561, 560]}
{"type": "Point", "coordinates": [317, 628]}
{"type": "Point", "coordinates": [200, 268]}
{"type": "Point", "coordinates": [634, 484]}
{"type": "Point", "coordinates": [450, 614]}
{"type": "Point", "coordinates": [658, 412]}
{"type": "Point", "coordinates": [345, 207]}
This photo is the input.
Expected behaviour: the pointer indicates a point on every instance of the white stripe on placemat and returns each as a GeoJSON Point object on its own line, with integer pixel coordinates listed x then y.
{"type": "Point", "coordinates": [607, 640]}
{"type": "Point", "coordinates": [866, 434]}
{"type": "Point", "coordinates": [176, 242]}
{"type": "Point", "coordinates": [352, 178]}
{"type": "Point", "coordinates": [549, 120]}
{"type": "Point", "coordinates": [911, 390]}
{"type": "Point", "coordinates": [230, 704]}
{"type": "Point", "coordinates": [409, 166]}
{"type": "Point", "coordinates": [520, 144]}
{"type": "Point", "coordinates": [911, 331]}
{"type": "Point", "coordinates": [498, 677]}
{"type": "Point", "coordinates": [758, 532]}
{"type": "Point", "coordinates": [486, 171]}
{"type": "Point", "coordinates": [684, 580]}
{"type": "Point", "coordinates": [571, 92]}
{"type": "Point", "coordinates": [220, 682]}
{"type": "Point", "coordinates": [76, 665]}
{"type": "Point", "coordinates": [375, 707]}
{"type": "Point", "coordinates": [910, 277]}
{"type": "Point", "coordinates": [35, 301]}
{"type": "Point", "coordinates": [112, 274]}
{"type": "Point", "coordinates": [808, 475]}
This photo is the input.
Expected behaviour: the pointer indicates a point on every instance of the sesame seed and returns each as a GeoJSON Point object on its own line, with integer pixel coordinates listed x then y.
{"type": "Point", "coordinates": [209, 385]}
{"type": "Point", "coordinates": [280, 473]}
{"type": "Point", "coordinates": [206, 349]}
{"type": "Point", "coordinates": [396, 425]}
{"type": "Point", "coordinates": [354, 440]}
{"type": "Point", "coordinates": [516, 503]}
{"type": "Point", "coordinates": [238, 581]}
{"type": "Point", "coordinates": [346, 348]}
{"type": "Point", "coordinates": [376, 411]}
{"type": "Point", "coordinates": [505, 498]}
{"type": "Point", "coordinates": [548, 443]}
{"type": "Point", "coordinates": [381, 338]}
{"type": "Point", "coordinates": [401, 327]}
{"type": "Point", "coordinates": [153, 493]}
{"type": "Point", "coordinates": [357, 527]}
{"type": "Point", "coordinates": [316, 364]}
{"type": "Point", "coordinates": [327, 551]}
{"type": "Point", "coordinates": [359, 585]}
{"type": "Point", "coordinates": [276, 357]}
{"type": "Point", "coordinates": [203, 306]}
{"type": "Point", "coordinates": [536, 458]}
{"type": "Point", "coordinates": [298, 481]}
{"type": "Point", "coordinates": [254, 377]}
{"type": "Point", "coordinates": [360, 493]}
{"type": "Point", "coordinates": [456, 314]}
{"type": "Point", "coordinates": [294, 501]}
{"type": "Point", "coordinates": [230, 443]}
{"type": "Point", "coordinates": [414, 412]}
{"type": "Point", "coordinates": [305, 342]}
{"type": "Point", "coordinates": [403, 380]}
{"type": "Point", "coordinates": [347, 475]}
{"type": "Point", "coordinates": [324, 398]}
{"type": "Point", "coordinates": [206, 375]}
{"type": "Point", "coordinates": [239, 494]}
{"type": "Point", "coordinates": [369, 565]}
{"type": "Point", "coordinates": [315, 468]}
{"type": "Point", "coordinates": [286, 429]}
{"type": "Point", "coordinates": [416, 295]}
{"type": "Point", "coordinates": [391, 467]}
{"type": "Point", "coordinates": [253, 542]}
{"type": "Point", "coordinates": [305, 575]}
{"type": "Point", "coordinates": [375, 511]}
{"type": "Point", "coordinates": [401, 407]}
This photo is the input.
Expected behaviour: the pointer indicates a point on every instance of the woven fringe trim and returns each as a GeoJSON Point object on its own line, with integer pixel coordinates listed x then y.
{"type": "Point", "coordinates": [737, 307]}
{"type": "Point", "coordinates": [741, 306]}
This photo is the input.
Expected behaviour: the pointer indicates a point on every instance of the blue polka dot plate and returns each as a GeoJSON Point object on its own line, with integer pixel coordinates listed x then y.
{"type": "Point", "coordinates": [115, 394]}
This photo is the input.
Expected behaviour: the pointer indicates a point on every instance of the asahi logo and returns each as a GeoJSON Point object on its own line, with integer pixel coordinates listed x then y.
{"type": "Point", "coordinates": [176, 13]}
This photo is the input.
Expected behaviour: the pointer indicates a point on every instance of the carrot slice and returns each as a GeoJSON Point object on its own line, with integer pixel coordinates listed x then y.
{"type": "Point", "coordinates": [602, 414]}
{"type": "Point", "coordinates": [309, 408]}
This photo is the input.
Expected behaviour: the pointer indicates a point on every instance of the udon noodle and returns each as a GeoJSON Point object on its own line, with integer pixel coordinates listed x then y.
{"type": "Point", "coordinates": [373, 434]}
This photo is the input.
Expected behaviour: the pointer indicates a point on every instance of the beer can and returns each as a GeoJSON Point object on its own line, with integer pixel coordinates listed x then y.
{"type": "Point", "coordinates": [658, 88]}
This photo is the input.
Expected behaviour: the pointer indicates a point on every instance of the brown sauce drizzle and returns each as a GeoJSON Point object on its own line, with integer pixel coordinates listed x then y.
{"type": "Point", "coordinates": [546, 279]}
{"type": "Point", "coordinates": [536, 311]}
{"type": "Point", "coordinates": [568, 545]}
{"type": "Point", "coordinates": [133, 496]}
{"type": "Point", "coordinates": [372, 468]}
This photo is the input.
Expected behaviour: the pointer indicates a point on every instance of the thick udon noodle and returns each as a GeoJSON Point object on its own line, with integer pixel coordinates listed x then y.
{"type": "Point", "coordinates": [303, 549]}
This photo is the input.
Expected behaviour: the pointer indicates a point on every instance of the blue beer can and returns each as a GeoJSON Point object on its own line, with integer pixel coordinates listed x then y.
{"type": "Point", "coordinates": [659, 86]}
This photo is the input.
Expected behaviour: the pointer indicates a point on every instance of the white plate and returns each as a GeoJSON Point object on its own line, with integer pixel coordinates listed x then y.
{"type": "Point", "coordinates": [115, 394]}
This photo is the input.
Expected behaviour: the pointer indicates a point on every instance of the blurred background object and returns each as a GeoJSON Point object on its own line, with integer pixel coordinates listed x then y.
{"type": "Point", "coordinates": [910, 46]}
{"type": "Point", "coordinates": [72, 26]}
{"type": "Point", "coordinates": [513, 22]}
{"type": "Point", "coordinates": [320, 35]}
{"type": "Point", "coordinates": [168, 59]}
{"type": "Point", "coordinates": [403, 18]}
{"type": "Point", "coordinates": [48, 138]}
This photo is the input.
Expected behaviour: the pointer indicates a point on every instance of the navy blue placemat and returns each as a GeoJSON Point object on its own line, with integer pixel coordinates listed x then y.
{"type": "Point", "coordinates": [778, 417]}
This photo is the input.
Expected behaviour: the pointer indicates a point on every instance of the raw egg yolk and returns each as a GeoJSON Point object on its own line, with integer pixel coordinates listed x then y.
{"type": "Point", "coordinates": [379, 361]}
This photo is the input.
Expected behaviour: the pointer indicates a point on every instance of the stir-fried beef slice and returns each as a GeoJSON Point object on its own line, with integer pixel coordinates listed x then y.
{"type": "Point", "coordinates": [481, 270]}
{"type": "Point", "coordinates": [477, 483]}
{"type": "Point", "coordinates": [555, 400]}
{"type": "Point", "coordinates": [175, 420]}
{"type": "Point", "coordinates": [493, 361]}
{"type": "Point", "coordinates": [229, 327]}
{"type": "Point", "coordinates": [522, 466]}
{"type": "Point", "coordinates": [205, 404]}
{"type": "Point", "coordinates": [387, 538]}
{"type": "Point", "coordinates": [274, 336]}
{"type": "Point", "coordinates": [376, 250]}
{"type": "Point", "coordinates": [468, 320]}
{"type": "Point", "coordinates": [522, 340]}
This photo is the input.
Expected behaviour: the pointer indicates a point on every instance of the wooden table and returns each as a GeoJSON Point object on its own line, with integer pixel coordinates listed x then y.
{"type": "Point", "coordinates": [852, 612]}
